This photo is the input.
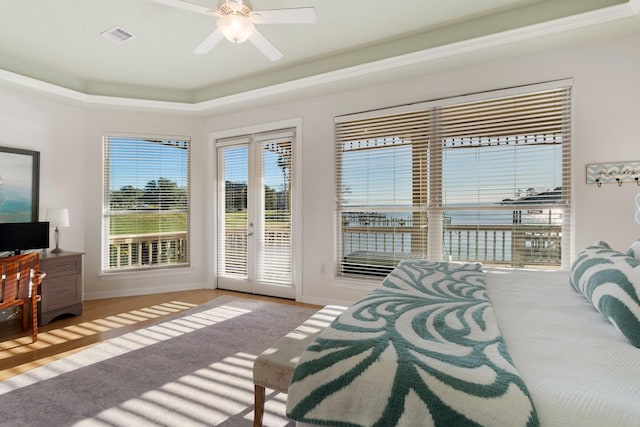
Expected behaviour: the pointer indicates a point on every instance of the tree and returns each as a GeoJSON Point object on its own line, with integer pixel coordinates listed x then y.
{"type": "Point", "coordinates": [284, 163]}
{"type": "Point", "coordinates": [125, 198]}
{"type": "Point", "coordinates": [164, 194]}
{"type": "Point", "coordinates": [270, 198]}
{"type": "Point", "coordinates": [235, 196]}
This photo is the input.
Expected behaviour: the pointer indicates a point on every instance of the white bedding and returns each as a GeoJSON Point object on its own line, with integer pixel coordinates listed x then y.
{"type": "Point", "coordinates": [580, 371]}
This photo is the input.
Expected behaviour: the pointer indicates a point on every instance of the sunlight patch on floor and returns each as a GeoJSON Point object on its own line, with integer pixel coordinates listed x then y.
{"type": "Point", "coordinates": [124, 344]}
{"type": "Point", "coordinates": [275, 408]}
{"type": "Point", "coordinates": [59, 336]}
{"type": "Point", "coordinates": [207, 397]}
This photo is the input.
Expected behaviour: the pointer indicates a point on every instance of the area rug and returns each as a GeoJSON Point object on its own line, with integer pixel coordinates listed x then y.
{"type": "Point", "coordinates": [192, 369]}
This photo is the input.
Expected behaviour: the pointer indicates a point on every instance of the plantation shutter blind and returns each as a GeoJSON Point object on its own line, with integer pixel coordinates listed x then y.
{"type": "Point", "coordinates": [505, 178]}
{"type": "Point", "coordinates": [146, 194]}
{"type": "Point", "coordinates": [382, 171]}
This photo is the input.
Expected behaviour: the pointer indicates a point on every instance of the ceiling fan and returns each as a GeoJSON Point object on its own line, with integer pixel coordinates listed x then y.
{"type": "Point", "coordinates": [236, 23]}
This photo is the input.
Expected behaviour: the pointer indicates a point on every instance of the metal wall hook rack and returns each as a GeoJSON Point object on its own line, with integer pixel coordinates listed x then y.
{"type": "Point", "coordinates": [608, 173]}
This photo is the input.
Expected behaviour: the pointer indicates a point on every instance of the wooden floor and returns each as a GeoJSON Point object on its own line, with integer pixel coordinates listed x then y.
{"type": "Point", "coordinates": [101, 320]}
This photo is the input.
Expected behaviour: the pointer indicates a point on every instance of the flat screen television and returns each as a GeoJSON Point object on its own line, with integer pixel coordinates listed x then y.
{"type": "Point", "coordinates": [22, 236]}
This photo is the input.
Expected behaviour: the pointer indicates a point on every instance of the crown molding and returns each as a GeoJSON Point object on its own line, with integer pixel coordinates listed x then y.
{"type": "Point", "coordinates": [582, 20]}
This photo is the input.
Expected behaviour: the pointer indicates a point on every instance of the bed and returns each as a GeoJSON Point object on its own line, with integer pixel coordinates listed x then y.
{"type": "Point", "coordinates": [571, 365]}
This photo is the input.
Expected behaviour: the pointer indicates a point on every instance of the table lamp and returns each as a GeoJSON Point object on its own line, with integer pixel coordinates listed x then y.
{"type": "Point", "coordinates": [57, 217]}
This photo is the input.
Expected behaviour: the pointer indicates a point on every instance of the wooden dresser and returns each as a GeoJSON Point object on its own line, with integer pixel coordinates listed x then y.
{"type": "Point", "coordinates": [62, 287]}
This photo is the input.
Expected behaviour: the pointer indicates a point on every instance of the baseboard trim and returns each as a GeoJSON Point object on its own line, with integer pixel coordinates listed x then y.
{"type": "Point", "coordinates": [145, 291]}
{"type": "Point", "coordinates": [325, 301]}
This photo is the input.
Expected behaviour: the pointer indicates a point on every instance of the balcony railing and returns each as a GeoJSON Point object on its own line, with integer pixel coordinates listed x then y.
{"type": "Point", "coordinates": [506, 245]}
{"type": "Point", "coordinates": [156, 249]}
{"type": "Point", "coordinates": [276, 253]}
{"type": "Point", "coordinates": [516, 245]}
{"type": "Point", "coordinates": [512, 245]}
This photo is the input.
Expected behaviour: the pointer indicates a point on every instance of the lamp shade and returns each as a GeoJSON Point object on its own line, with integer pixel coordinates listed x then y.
{"type": "Point", "coordinates": [57, 217]}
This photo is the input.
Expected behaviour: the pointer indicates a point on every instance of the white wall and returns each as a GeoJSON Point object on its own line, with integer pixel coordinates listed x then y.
{"type": "Point", "coordinates": [606, 106]}
{"type": "Point", "coordinates": [69, 139]}
{"type": "Point", "coordinates": [55, 130]}
{"type": "Point", "coordinates": [99, 123]}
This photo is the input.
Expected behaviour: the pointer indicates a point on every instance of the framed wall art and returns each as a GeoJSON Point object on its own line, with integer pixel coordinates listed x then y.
{"type": "Point", "coordinates": [19, 184]}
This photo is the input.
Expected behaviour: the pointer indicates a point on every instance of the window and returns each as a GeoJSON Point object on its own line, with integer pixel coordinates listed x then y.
{"type": "Point", "coordinates": [477, 178]}
{"type": "Point", "coordinates": [146, 202]}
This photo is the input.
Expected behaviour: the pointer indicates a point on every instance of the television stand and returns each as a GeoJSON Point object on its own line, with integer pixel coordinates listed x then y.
{"type": "Point", "coordinates": [61, 289]}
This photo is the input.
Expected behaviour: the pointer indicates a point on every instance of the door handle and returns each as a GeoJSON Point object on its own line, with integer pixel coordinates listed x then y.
{"type": "Point", "coordinates": [250, 234]}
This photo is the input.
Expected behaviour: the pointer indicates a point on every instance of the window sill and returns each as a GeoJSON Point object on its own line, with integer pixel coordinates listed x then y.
{"type": "Point", "coordinates": [156, 272]}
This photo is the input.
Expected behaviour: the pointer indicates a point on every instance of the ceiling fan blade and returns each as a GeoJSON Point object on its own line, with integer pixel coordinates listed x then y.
{"type": "Point", "coordinates": [209, 43]}
{"type": "Point", "coordinates": [265, 46]}
{"type": "Point", "coordinates": [186, 6]}
{"type": "Point", "coordinates": [301, 15]}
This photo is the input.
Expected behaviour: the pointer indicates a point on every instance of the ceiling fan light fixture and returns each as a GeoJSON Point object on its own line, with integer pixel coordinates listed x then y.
{"type": "Point", "coordinates": [236, 23]}
{"type": "Point", "coordinates": [236, 27]}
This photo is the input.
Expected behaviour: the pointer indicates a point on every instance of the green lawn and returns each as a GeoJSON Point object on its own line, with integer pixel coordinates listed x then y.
{"type": "Point", "coordinates": [154, 222]}
{"type": "Point", "coordinates": [272, 218]}
{"type": "Point", "coordinates": [148, 223]}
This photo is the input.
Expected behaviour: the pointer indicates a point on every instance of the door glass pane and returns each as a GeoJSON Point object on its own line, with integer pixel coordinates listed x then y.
{"type": "Point", "coordinates": [232, 231]}
{"type": "Point", "coordinates": [275, 264]}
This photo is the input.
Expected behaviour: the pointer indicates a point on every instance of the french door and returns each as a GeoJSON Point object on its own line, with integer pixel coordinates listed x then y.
{"type": "Point", "coordinates": [254, 218]}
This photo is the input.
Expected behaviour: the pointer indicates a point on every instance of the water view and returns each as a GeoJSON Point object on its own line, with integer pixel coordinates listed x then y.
{"type": "Point", "coordinates": [497, 236]}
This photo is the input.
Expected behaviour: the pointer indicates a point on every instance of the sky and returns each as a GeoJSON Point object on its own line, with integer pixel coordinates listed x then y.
{"type": "Point", "coordinates": [236, 168]}
{"type": "Point", "coordinates": [136, 162]}
{"type": "Point", "coordinates": [383, 176]}
{"type": "Point", "coordinates": [373, 177]}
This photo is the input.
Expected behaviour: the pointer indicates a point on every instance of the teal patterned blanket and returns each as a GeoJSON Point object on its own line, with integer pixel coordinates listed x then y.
{"type": "Point", "coordinates": [422, 349]}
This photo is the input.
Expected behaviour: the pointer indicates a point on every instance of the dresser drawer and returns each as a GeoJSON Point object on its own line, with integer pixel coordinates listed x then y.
{"type": "Point", "coordinates": [56, 267]}
{"type": "Point", "coordinates": [61, 292]}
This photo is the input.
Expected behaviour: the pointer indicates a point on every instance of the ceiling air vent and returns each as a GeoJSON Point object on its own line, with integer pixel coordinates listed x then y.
{"type": "Point", "coordinates": [117, 35]}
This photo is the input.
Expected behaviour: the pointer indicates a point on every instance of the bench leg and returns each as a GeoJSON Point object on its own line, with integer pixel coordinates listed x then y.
{"type": "Point", "coordinates": [258, 405]}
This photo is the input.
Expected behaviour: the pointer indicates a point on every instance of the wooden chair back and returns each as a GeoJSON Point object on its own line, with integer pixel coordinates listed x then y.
{"type": "Point", "coordinates": [19, 281]}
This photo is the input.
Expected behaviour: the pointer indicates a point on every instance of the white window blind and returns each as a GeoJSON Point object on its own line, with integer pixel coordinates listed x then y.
{"type": "Point", "coordinates": [489, 183]}
{"type": "Point", "coordinates": [146, 202]}
{"type": "Point", "coordinates": [505, 178]}
{"type": "Point", "coordinates": [233, 165]}
{"type": "Point", "coordinates": [275, 236]}
{"type": "Point", "coordinates": [382, 190]}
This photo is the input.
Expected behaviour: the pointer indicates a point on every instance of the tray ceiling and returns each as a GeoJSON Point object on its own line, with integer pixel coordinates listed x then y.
{"type": "Point", "coordinates": [58, 43]}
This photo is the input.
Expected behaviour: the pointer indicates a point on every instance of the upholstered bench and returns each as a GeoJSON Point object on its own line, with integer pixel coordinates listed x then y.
{"type": "Point", "coordinates": [274, 367]}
